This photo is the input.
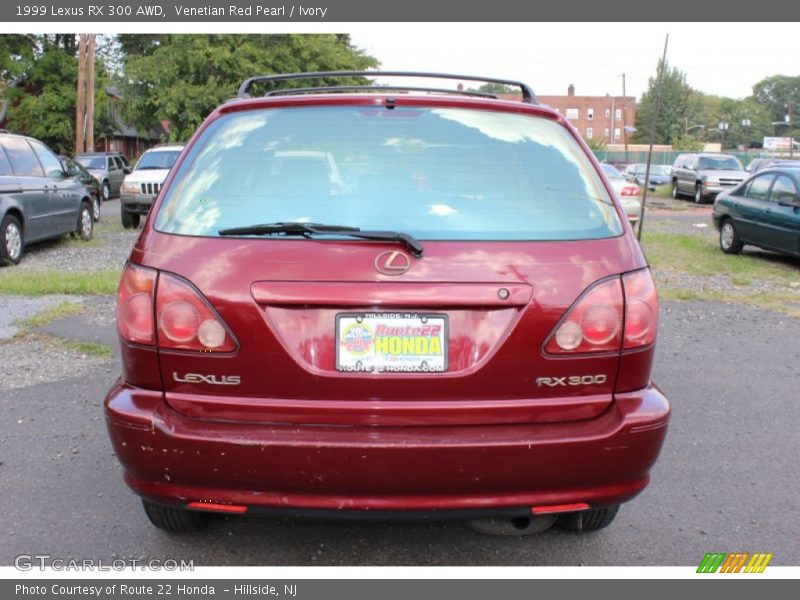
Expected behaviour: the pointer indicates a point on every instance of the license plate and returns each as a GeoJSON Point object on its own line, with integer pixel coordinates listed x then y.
{"type": "Point", "coordinates": [391, 343]}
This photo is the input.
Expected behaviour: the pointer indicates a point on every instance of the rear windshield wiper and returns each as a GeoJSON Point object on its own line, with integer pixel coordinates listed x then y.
{"type": "Point", "coordinates": [312, 229]}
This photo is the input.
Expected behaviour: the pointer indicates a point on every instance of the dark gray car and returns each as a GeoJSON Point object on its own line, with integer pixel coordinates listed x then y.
{"type": "Point", "coordinates": [38, 200]}
{"type": "Point", "coordinates": [704, 175]}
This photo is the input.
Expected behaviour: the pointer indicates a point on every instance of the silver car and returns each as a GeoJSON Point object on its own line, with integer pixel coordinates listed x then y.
{"type": "Point", "coordinates": [627, 193]}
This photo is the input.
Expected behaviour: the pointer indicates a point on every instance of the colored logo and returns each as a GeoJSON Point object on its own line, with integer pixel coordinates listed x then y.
{"type": "Point", "coordinates": [357, 339]}
{"type": "Point", "coordinates": [738, 562]}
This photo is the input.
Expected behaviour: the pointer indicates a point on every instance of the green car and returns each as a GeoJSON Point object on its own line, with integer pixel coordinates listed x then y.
{"type": "Point", "coordinates": [763, 211]}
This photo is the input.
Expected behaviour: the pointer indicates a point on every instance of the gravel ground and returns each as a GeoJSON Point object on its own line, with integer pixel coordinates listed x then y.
{"type": "Point", "coordinates": [109, 249]}
{"type": "Point", "coordinates": [36, 359]}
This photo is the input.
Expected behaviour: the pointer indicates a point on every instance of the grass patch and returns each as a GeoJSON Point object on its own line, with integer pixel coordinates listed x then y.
{"type": "Point", "coordinates": [41, 283]}
{"type": "Point", "coordinates": [90, 349]}
{"type": "Point", "coordinates": [737, 278]}
{"type": "Point", "coordinates": [700, 255]}
{"type": "Point", "coordinates": [64, 308]}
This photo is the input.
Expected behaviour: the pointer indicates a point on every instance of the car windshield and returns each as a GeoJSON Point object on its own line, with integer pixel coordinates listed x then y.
{"type": "Point", "coordinates": [611, 171]}
{"type": "Point", "coordinates": [721, 163]}
{"type": "Point", "coordinates": [434, 173]}
{"type": "Point", "coordinates": [159, 159]}
{"type": "Point", "coordinates": [93, 162]}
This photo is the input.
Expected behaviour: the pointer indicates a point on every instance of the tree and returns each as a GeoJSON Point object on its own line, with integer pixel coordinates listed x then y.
{"type": "Point", "coordinates": [182, 78]}
{"type": "Point", "coordinates": [679, 106]}
{"type": "Point", "coordinates": [39, 87]}
{"type": "Point", "coordinates": [774, 94]}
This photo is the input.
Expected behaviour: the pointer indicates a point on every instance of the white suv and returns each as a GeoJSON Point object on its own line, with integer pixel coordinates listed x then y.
{"type": "Point", "coordinates": [141, 187]}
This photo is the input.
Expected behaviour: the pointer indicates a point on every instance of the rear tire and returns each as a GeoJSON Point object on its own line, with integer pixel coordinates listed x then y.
{"type": "Point", "coordinates": [85, 226]}
{"type": "Point", "coordinates": [729, 241]}
{"type": "Point", "coordinates": [129, 220]}
{"type": "Point", "coordinates": [12, 243]}
{"type": "Point", "coordinates": [588, 520]}
{"type": "Point", "coordinates": [175, 520]}
{"type": "Point", "coordinates": [698, 194]}
{"type": "Point", "coordinates": [96, 208]}
{"type": "Point", "coordinates": [106, 191]}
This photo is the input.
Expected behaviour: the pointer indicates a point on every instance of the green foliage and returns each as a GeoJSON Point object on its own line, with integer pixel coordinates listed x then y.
{"type": "Point", "coordinates": [686, 143]}
{"type": "Point", "coordinates": [182, 78]}
{"type": "Point", "coordinates": [774, 94]}
{"type": "Point", "coordinates": [679, 105]}
{"type": "Point", "coordinates": [40, 76]}
{"type": "Point", "coordinates": [599, 144]}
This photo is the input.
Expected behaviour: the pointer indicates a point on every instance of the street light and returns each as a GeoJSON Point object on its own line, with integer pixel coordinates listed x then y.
{"type": "Point", "coordinates": [746, 128]}
{"type": "Point", "coordinates": [723, 127]}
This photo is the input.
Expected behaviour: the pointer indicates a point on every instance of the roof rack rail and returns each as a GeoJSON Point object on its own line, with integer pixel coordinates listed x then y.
{"type": "Point", "coordinates": [244, 90]}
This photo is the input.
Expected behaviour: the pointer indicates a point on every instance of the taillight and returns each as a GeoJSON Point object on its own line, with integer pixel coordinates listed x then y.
{"type": "Point", "coordinates": [186, 320]}
{"type": "Point", "coordinates": [135, 305]}
{"type": "Point", "coordinates": [641, 309]}
{"type": "Point", "coordinates": [593, 324]}
{"type": "Point", "coordinates": [630, 190]}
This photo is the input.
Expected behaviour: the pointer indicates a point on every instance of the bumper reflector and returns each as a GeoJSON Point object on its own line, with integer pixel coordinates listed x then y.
{"type": "Point", "coordinates": [559, 508]}
{"type": "Point", "coordinates": [229, 508]}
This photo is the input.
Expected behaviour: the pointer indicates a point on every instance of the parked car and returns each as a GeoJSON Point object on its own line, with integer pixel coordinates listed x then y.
{"type": "Point", "coordinates": [141, 187]}
{"type": "Point", "coordinates": [704, 175]}
{"type": "Point", "coordinates": [659, 175]}
{"type": "Point", "coordinates": [38, 200]}
{"type": "Point", "coordinates": [763, 211]}
{"type": "Point", "coordinates": [466, 327]}
{"type": "Point", "coordinates": [108, 168]}
{"type": "Point", "coordinates": [75, 169]}
{"type": "Point", "coordinates": [759, 164]}
{"type": "Point", "coordinates": [627, 193]}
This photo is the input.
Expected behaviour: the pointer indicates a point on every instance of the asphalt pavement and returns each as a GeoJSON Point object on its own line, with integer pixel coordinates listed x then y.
{"type": "Point", "coordinates": [727, 479]}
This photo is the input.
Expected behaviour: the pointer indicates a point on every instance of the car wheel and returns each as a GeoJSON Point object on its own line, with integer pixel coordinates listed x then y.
{"type": "Point", "coordinates": [675, 192]}
{"type": "Point", "coordinates": [129, 220]}
{"type": "Point", "coordinates": [85, 227]}
{"type": "Point", "coordinates": [96, 208]}
{"type": "Point", "coordinates": [698, 194]}
{"type": "Point", "coordinates": [729, 241]}
{"type": "Point", "coordinates": [176, 520]}
{"type": "Point", "coordinates": [106, 191]}
{"type": "Point", "coordinates": [588, 520]}
{"type": "Point", "coordinates": [512, 527]}
{"type": "Point", "coordinates": [12, 245]}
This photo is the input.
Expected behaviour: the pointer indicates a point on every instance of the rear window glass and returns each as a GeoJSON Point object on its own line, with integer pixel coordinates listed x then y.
{"type": "Point", "coordinates": [436, 173]}
{"type": "Point", "coordinates": [93, 162]}
{"type": "Point", "coordinates": [22, 158]}
{"type": "Point", "coordinates": [719, 163]}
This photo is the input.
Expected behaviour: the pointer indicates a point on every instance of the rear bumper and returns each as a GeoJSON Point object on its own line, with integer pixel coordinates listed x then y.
{"type": "Point", "coordinates": [173, 459]}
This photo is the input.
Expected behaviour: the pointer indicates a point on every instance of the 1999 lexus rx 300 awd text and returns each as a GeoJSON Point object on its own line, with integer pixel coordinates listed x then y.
{"type": "Point", "coordinates": [373, 301]}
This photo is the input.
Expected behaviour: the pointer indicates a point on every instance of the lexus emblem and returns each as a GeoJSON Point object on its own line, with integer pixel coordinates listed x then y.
{"type": "Point", "coordinates": [392, 262]}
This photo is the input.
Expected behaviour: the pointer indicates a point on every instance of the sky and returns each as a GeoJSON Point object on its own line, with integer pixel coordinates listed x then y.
{"type": "Point", "coordinates": [724, 59]}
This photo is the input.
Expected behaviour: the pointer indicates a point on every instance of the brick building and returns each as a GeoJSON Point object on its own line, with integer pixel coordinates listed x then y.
{"type": "Point", "coordinates": [596, 117]}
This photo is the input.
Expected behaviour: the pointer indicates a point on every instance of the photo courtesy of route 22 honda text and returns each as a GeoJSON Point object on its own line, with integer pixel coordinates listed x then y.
{"type": "Point", "coordinates": [352, 300]}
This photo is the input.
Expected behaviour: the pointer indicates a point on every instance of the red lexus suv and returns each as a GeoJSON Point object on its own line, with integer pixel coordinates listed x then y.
{"type": "Point", "coordinates": [388, 301]}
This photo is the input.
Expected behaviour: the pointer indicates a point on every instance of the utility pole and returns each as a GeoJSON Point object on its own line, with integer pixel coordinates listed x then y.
{"type": "Point", "coordinates": [624, 118]}
{"type": "Point", "coordinates": [791, 125]}
{"type": "Point", "coordinates": [80, 104]}
{"type": "Point", "coordinates": [90, 95]}
{"type": "Point", "coordinates": [662, 65]}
